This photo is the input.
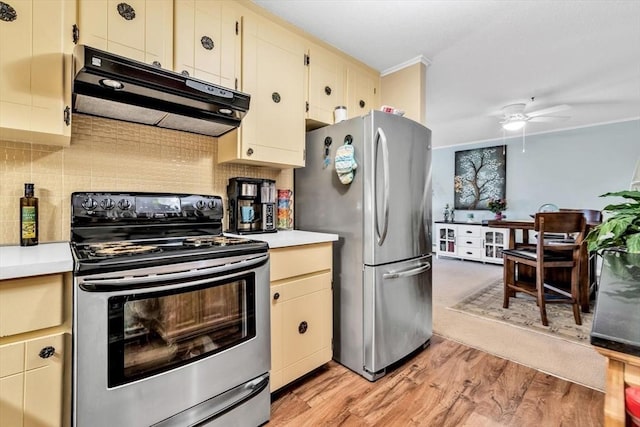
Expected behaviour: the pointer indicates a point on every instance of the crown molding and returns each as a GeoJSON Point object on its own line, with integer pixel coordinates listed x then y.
{"type": "Point", "coordinates": [418, 59]}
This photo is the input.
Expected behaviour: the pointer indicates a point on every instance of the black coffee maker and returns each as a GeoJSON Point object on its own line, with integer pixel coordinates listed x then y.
{"type": "Point", "coordinates": [252, 205]}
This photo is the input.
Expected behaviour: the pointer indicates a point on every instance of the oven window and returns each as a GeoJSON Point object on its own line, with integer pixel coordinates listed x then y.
{"type": "Point", "coordinates": [151, 333]}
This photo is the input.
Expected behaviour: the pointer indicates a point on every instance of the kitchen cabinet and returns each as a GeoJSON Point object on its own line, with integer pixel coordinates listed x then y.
{"type": "Point", "coordinates": [362, 90]}
{"type": "Point", "coordinates": [136, 29]}
{"type": "Point", "coordinates": [207, 41]}
{"type": "Point", "coordinates": [272, 132]}
{"type": "Point", "coordinates": [36, 44]}
{"type": "Point", "coordinates": [301, 311]}
{"type": "Point", "coordinates": [471, 241]}
{"type": "Point", "coordinates": [35, 326]}
{"type": "Point", "coordinates": [325, 85]}
{"type": "Point", "coordinates": [31, 382]}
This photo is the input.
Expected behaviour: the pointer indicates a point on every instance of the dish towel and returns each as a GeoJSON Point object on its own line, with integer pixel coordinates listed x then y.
{"type": "Point", "coordinates": [345, 162]}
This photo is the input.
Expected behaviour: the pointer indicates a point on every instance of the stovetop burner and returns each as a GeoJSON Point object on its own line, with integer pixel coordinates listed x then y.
{"type": "Point", "coordinates": [117, 231]}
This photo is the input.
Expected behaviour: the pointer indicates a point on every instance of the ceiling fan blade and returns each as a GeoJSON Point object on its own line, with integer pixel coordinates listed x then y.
{"type": "Point", "coordinates": [550, 110]}
{"type": "Point", "coordinates": [548, 118]}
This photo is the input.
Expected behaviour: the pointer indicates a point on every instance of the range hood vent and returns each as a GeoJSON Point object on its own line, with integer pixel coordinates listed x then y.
{"type": "Point", "coordinates": [111, 86]}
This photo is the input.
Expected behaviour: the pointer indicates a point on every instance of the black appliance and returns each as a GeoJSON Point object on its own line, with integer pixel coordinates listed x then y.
{"type": "Point", "coordinates": [112, 86]}
{"type": "Point", "coordinates": [163, 301]}
{"type": "Point", "coordinates": [252, 205]}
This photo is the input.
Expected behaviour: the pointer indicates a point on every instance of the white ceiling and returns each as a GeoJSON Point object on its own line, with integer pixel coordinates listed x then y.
{"type": "Point", "coordinates": [486, 54]}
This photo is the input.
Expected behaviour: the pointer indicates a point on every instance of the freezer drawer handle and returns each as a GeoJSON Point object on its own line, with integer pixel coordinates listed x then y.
{"type": "Point", "coordinates": [407, 273]}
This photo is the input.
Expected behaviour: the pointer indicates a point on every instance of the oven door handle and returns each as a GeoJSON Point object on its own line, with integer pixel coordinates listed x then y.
{"type": "Point", "coordinates": [95, 284]}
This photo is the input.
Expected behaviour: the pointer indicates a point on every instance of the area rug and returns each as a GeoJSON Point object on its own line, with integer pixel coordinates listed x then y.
{"type": "Point", "coordinates": [524, 313]}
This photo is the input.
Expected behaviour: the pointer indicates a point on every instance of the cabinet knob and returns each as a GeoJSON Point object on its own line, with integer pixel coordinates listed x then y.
{"type": "Point", "coordinates": [207, 42]}
{"type": "Point", "coordinates": [249, 151]}
{"type": "Point", "coordinates": [275, 96]}
{"type": "Point", "coordinates": [126, 11]}
{"type": "Point", "coordinates": [7, 13]}
{"type": "Point", "coordinates": [156, 64]}
{"type": "Point", "coordinates": [276, 295]}
{"type": "Point", "coordinates": [47, 352]}
{"type": "Point", "coordinates": [302, 327]}
{"type": "Point", "coordinates": [327, 90]}
{"type": "Point", "coordinates": [361, 103]}
{"type": "Point", "coordinates": [184, 73]}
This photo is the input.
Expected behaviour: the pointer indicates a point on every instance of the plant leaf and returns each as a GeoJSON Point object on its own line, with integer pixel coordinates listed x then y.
{"type": "Point", "coordinates": [633, 243]}
{"type": "Point", "coordinates": [627, 194]}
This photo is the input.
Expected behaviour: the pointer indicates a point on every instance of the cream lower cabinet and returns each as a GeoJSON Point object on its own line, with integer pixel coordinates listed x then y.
{"type": "Point", "coordinates": [31, 382]}
{"type": "Point", "coordinates": [35, 324]}
{"type": "Point", "coordinates": [36, 43]}
{"type": "Point", "coordinates": [301, 311]}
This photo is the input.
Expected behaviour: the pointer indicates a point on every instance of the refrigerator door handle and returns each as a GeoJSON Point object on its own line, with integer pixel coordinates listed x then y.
{"type": "Point", "coordinates": [407, 273]}
{"type": "Point", "coordinates": [381, 137]}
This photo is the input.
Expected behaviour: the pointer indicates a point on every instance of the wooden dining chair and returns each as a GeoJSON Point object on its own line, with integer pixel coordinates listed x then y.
{"type": "Point", "coordinates": [547, 254]}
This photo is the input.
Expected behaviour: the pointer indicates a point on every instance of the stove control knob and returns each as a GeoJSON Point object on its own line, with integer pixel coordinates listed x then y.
{"type": "Point", "coordinates": [200, 205]}
{"type": "Point", "coordinates": [212, 204]}
{"type": "Point", "coordinates": [108, 204]}
{"type": "Point", "coordinates": [124, 204]}
{"type": "Point", "coordinates": [89, 204]}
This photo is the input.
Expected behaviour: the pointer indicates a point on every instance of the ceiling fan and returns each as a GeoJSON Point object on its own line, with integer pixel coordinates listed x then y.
{"type": "Point", "coordinates": [514, 116]}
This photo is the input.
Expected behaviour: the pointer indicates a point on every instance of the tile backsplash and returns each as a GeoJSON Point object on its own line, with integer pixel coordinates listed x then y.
{"type": "Point", "coordinates": [110, 155]}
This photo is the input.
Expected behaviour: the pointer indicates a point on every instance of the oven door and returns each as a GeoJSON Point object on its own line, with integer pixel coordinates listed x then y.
{"type": "Point", "coordinates": [152, 343]}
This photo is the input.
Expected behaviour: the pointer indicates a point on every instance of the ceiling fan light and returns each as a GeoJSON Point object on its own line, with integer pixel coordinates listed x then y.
{"type": "Point", "coordinates": [513, 125]}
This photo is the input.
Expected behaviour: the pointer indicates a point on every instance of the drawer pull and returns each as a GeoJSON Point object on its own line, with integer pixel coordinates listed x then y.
{"type": "Point", "coordinates": [47, 352]}
{"type": "Point", "coordinates": [276, 295]}
{"type": "Point", "coordinates": [302, 328]}
{"type": "Point", "coordinates": [468, 243]}
{"type": "Point", "coordinates": [468, 231]}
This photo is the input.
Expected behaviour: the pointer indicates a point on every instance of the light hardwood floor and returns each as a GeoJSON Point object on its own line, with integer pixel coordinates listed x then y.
{"type": "Point", "coordinates": [448, 384]}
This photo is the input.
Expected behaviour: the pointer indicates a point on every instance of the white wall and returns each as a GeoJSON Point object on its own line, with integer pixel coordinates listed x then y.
{"type": "Point", "coordinates": [569, 169]}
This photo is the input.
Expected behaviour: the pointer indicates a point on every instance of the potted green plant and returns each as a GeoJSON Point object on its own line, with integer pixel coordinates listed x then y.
{"type": "Point", "coordinates": [621, 230]}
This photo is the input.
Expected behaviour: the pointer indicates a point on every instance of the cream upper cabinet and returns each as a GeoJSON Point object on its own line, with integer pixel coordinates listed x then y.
{"type": "Point", "coordinates": [36, 43]}
{"type": "Point", "coordinates": [362, 90]}
{"type": "Point", "coordinates": [136, 29]}
{"type": "Point", "coordinates": [207, 41]}
{"type": "Point", "coordinates": [325, 84]}
{"type": "Point", "coordinates": [272, 132]}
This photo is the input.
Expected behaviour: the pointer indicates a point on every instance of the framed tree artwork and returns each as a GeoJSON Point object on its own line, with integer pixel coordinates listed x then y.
{"type": "Point", "coordinates": [480, 175]}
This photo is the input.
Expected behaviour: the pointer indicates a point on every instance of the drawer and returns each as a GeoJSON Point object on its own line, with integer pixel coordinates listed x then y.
{"type": "Point", "coordinates": [470, 253]}
{"type": "Point", "coordinates": [45, 351]}
{"type": "Point", "coordinates": [299, 260]}
{"type": "Point", "coordinates": [31, 303]}
{"type": "Point", "coordinates": [11, 359]}
{"type": "Point", "coordinates": [469, 242]}
{"type": "Point", "coordinates": [469, 231]}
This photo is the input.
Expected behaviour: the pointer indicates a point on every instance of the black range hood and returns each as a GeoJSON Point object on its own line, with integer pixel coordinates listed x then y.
{"type": "Point", "coordinates": [109, 85]}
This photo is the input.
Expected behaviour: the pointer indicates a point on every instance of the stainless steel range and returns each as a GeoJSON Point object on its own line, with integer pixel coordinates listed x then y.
{"type": "Point", "coordinates": [171, 318]}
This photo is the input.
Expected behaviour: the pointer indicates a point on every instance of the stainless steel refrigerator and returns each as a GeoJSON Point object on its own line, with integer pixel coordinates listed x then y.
{"type": "Point", "coordinates": [382, 260]}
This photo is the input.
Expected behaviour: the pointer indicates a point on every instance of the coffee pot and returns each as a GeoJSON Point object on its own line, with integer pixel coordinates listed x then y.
{"type": "Point", "coordinates": [252, 205]}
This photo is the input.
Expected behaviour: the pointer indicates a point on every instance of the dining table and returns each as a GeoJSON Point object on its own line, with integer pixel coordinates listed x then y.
{"type": "Point", "coordinates": [587, 264]}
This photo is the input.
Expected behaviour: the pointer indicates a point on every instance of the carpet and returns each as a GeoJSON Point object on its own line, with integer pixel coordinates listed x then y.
{"type": "Point", "coordinates": [524, 313]}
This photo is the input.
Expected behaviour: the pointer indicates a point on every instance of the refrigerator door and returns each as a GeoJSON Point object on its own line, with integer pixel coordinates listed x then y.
{"type": "Point", "coordinates": [397, 312]}
{"type": "Point", "coordinates": [397, 189]}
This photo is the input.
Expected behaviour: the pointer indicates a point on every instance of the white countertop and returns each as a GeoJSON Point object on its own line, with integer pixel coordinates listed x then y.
{"type": "Point", "coordinates": [286, 238]}
{"type": "Point", "coordinates": [25, 261]}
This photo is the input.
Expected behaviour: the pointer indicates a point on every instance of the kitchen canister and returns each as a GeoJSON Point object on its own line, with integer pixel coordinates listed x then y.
{"type": "Point", "coordinates": [285, 217]}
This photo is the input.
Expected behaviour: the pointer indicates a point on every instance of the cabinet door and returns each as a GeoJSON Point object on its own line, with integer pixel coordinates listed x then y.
{"type": "Point", "coordinates": [362, 91]}
{"type": "Point", "coordinates": [43, 382]}
{"type": "Point", "coordinates": [272, 133]}
{"type": "Point", "coordinates": [206, 41]}
{"type": "Point", "coordinates": [35, 71]}
{"type": "Point", "coordinates": [495, 240]}
{"type": "Point", "coordinates": [11, 398]}
{"type": "Point", "coordinates": [446, 239]}
{"type": "Point", "coordinates": [325, 84]}
{"type": "Point", "coordinates": [137, 29]}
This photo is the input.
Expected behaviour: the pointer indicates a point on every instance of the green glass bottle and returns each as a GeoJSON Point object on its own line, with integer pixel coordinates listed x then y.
{"type": "Point", "coordinates": [28, 217]}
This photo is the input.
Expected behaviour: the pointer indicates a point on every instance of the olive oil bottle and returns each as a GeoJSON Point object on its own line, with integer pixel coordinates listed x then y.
{"type": "Point", "coordinates": [28, 217]}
